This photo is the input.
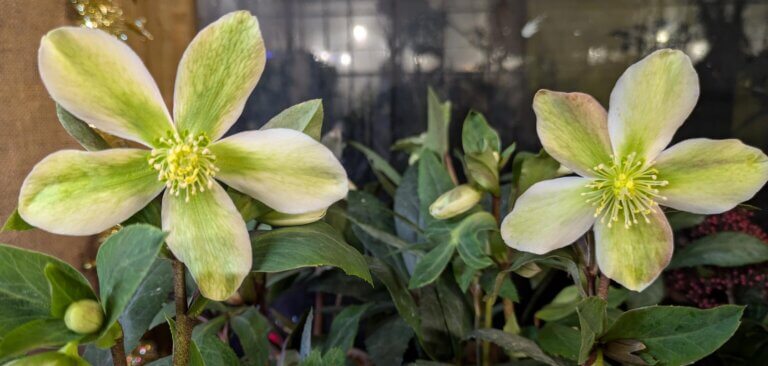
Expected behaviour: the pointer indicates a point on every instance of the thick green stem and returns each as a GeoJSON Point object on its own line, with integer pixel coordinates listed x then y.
{"type": "Point", "coordinates": [488, 323]}
{"type": "Point", "coordinates": [183, 321]}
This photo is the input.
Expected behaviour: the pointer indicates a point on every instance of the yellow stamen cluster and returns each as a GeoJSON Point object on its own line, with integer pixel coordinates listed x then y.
{"type": "Point", "coordinates": [184, 163]}
{"type": "Point", "coordinates": [628, 188]}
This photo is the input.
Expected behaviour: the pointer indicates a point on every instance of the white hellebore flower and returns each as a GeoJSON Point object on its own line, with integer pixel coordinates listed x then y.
{"type": "Point", "coordinates": [625, 173]}
{"type": "Point", "coordinates": [102, 81]}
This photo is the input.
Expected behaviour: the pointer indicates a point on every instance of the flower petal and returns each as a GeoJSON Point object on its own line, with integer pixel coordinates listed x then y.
{"type": "Point", "coordinates": [549, 215]}
{"type": "Point", "coordinates": [285, 169]}
{"type": "Point", "coordinates": [217, 73]}
{"type": "Point", "coordinates": [650, 102]}
{"type": "Point", "coordinates": [209, 236]}
{"type": "Point", "coordinates": [634, 256]}
{"type": "Point", "coordinates": [74, 192]}
{"type": "Point", "coordinates": [100, 80]}
{"type": "Point", "coordinates": [573, 127]}
{"type": "Point", "coordinates": [711, 176]}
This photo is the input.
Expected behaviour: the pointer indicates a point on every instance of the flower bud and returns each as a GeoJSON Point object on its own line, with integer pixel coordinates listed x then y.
{"type": "Point", "coordinates": [275, 218]}
{"type": "Point", "coordinates": [84, 316]}
{"type": "Point", "coordinates": [455, 202]}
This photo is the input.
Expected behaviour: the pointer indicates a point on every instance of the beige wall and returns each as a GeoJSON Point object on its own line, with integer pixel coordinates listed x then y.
{"type": "Point", "coordinates": [29, 129]}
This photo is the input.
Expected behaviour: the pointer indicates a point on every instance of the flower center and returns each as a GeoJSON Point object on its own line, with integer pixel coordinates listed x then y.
{"type": "Point", "coordinates": [184, 163]}
{"type": "Point", "coordinates": [628, 188]}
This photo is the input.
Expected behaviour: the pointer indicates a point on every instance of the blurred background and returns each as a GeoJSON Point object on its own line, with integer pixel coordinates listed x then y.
{"type": "Point", "coordinates": [371, 62]}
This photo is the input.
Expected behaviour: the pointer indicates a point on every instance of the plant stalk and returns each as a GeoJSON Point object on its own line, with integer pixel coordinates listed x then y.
{"type": "Point", "coordinates": [183, 321]}
{"type": "Point", "coordinates": [488, 323]}
{"type": "Point", "coordinates": [602, 290]}
{"type": "Point", "coordinates": [118, 353]}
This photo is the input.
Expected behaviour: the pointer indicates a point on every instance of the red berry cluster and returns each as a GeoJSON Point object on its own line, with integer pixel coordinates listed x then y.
{"type": "Point", "coordinates": [714, 285]}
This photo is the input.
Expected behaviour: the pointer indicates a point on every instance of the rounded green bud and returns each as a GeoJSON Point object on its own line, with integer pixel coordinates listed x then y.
{"type": "Point", "coordinates": [275, 218]}
{"type": "Point", "coordinates": [455, 202]}
{"type": "Point", "coordinates": [84, 316]}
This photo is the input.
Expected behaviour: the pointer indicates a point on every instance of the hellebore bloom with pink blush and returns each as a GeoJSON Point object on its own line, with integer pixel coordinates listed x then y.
{"type": "Point", "coordinates": [625, 173]}
{"type": "Point", "coordinates": [102, 81]}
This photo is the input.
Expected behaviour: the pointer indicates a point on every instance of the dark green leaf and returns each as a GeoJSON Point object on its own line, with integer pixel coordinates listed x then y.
{"type": "Point", "coordinates": [562, 305]}
{"type": "Point", "coordinates": [389, 341]}
{"type": "Point", "coordinates": [36, 334]}
{"type": "Point", "coordinates": [344, 328]}
{"type": "Point", "coordinates": [248, 207]}
{"type": "Point", "coordinates": [213, 351]}
{"type": "Point", "coordinates": [306, 117]}
{"type": "Point", "coordinates": [724, 249]}
{"type": "Point", "coordinates": [80, 131]}
{"type": "Point", "coordinates": [252, 330]}
{"type": "Point", "coordinates": [146, 302]}
{"type": "Point", "coordinates": [433, 181]}
{"type": "Point", "coordinates": [560, 340]}
{"type": "Point", "coordinates": [677, 335]}
{"type": "Point", "coordinates": [99, 357]}
{"type": "Point", "coordinates": [14, 222]}
{"type": "Point", "coordinates": [592, 320]}
{"type": "Point", "coordinates": [66, 288]}
{"type": "Point", "coordinates": [305, 346]}
{"type": "Point", "coordinates": [506, 289]}
{"type": "Point", "coordinates": [430, 266]}
{"type": "Point", "coordinates": [438, 121]}
{"type": "Point", "coordinates": [150, 214]}
{"type": "Point", "coordinates": [122, 263]}
{"type": "Point", "coordinates": [652, 295]}
{"type": "Point", "coordinates": [406, 206]}
{"type": "Point", "coordinates": [312, 245]}
{"type": "Point", "coordinates": [365, 208]}
{"type": "Point", "coordinates": [378, 163]}
{"type": "Point", "coordinates": [462, 273]}
{"type": "Point", "coordinates": [514, 343]}
{"type": "Point", "coordinates": [403, 300]}
{"type": "Point", "coordinates": [680, 220]}
{"type": "Point", "coordinates": [24, 291]}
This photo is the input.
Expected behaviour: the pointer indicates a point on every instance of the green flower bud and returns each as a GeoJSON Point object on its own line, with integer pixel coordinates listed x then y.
{"type": "Point", "coordinates": [455, 202]}
{"type": "Point", "coordinates": [84, 316]}
{"type": "Point", "coordinates": [275, 218]}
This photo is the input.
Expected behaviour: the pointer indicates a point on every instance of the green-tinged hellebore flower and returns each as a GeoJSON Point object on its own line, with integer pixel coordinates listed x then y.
{"type": "Point", "coordinates": [102, 81]}
{"type": "Point", "coordinates": [625, 173]}
{"type": "Point", "coordinates": [84, 316]}
{"type": "Point", "coordinates": [455, 202]}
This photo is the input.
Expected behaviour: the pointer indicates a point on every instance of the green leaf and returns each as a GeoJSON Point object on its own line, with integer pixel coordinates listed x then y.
{"type": "Point", "coordinates": [430, 266]}
{"type": "Point", "coordinates": [401, 297]}
{"type": "Point", "coordinates": [312, 245]}
{"type": "Point", "coordinates": [36, 334]}
{"type": "Point", "coordinates": [213, 351]}
{"type": "Point", "coordinates": [406, 207]}
{"type": "Point", "coordinates": [562, 305]}
{"type": "Point", "coordinates": [98, 357]}
{"type": "Point", "coordinates": [560, 340]}
{"type": "Point", "coordinates": [49, 359]}
{"type": "Point", "coordinates": [506, 154]}
{"type": "Point", "coordinates": [80, 131]}
{"type": "Point", "coordinates": [723, 249]}
{"type": "Point", "coordinates": [652, 295]}
{"type": "Point", "coordinates": [482, 168]}
{"type": "Point", "coordinates": [680, 220]}
{"type": "Point", "coordinates": [445, 317]}
{"type": "Point", "coordinates": [677, 335]}
{"type": "Point", "coordinates": [305, 346]}
{"type": "Point", "coordinates": [24, 291]}
{"type": "Point", "coordinates": [477, 135]}
{"type": "Point", "coordinates": [248, 207]}
{"type": "Point", "coordinates": [471, 239]}
{"type": "Point", "coordinates": [146, 302]}
{"type": "Point", "coordinates": [506, 290]}
{"type": "Point", "coordinates": [306, 117]}
{"type": "Point", "coordinates": [433, 182]}
{"type": "Point", "coordinates": [438, 122]}
{"type": "Point", "coordinates": [529, 169]}
{"type": "Point", "coordinates": [66, 288]}
{"type": "Point", "coordinates": [252, 330]}
{"type": "Point", "coordinates": [344, 328]}
{"type": "Point", "coordinates": [389, 341]}
{"type": "Point", "coordinates": [14, 222]}
{"type": "Point", "coordinates": [513, 343]}
{"type": "Point", "coordinates": [365, 209]}
{"type": "Point", "coordinates": [122, 263]}
{"type": "Point", "coordinates": [592, 320]}
{"type": "Point", "coordinates": [378, 164]}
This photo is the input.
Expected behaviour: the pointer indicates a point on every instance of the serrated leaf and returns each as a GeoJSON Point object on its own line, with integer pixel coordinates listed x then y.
{"type": "Point", "coordinates": [676, 335]}
{"type": "Point", "coordinates": [723, 249]}
{"type": "Point", "coordinates": [306, 117]}
{"type": "Point", "coordinates": [312, 245]}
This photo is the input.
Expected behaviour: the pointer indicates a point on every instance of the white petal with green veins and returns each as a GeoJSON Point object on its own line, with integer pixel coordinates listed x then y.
{"type": "Point", "coordinates": [217, 73]}
{"type": "Point", "coordinates": [573, 127]}
{"type": "Point", "coordinates": [634, 256]}
{"type": "Point", "coordinates": [711, 176]}
{"type": "Point", "coordinates": [210, 237]}
{"type": "Point", "coordinates": [549, 215]}
{"type": "Point", "coordinates": [285, 169]}
{"type": "Point", "coordinates": [83, 193]}
{"type": "Point", "coordinates": [100, 80]}
{"type": "Point", "coordinates": [649, 103]}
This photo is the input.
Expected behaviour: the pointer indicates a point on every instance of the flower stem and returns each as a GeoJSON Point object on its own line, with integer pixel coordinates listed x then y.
{"type": "Point", "coordinates": [183, 321]}
{"type": "Point", "coordinates": [118, 353]}
{"type": "Point", "coordinates": [488, 323]}
{"type": "Point", "coordinates": [602, 290]}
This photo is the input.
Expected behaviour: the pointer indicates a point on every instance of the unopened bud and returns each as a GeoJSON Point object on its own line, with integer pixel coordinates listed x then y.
{"type": "Point", "coordinates": [84, 316]}
{"type": "Point", "coordinates": [455, 202]}
{"type": "Point", "coordinates": [275, 218]}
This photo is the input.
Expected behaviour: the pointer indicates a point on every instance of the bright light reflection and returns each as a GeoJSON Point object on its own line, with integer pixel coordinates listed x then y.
{"type": "Point", "coordinates": [359, 33]}
{"type": "Point", "coordinates": [345, 59]}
